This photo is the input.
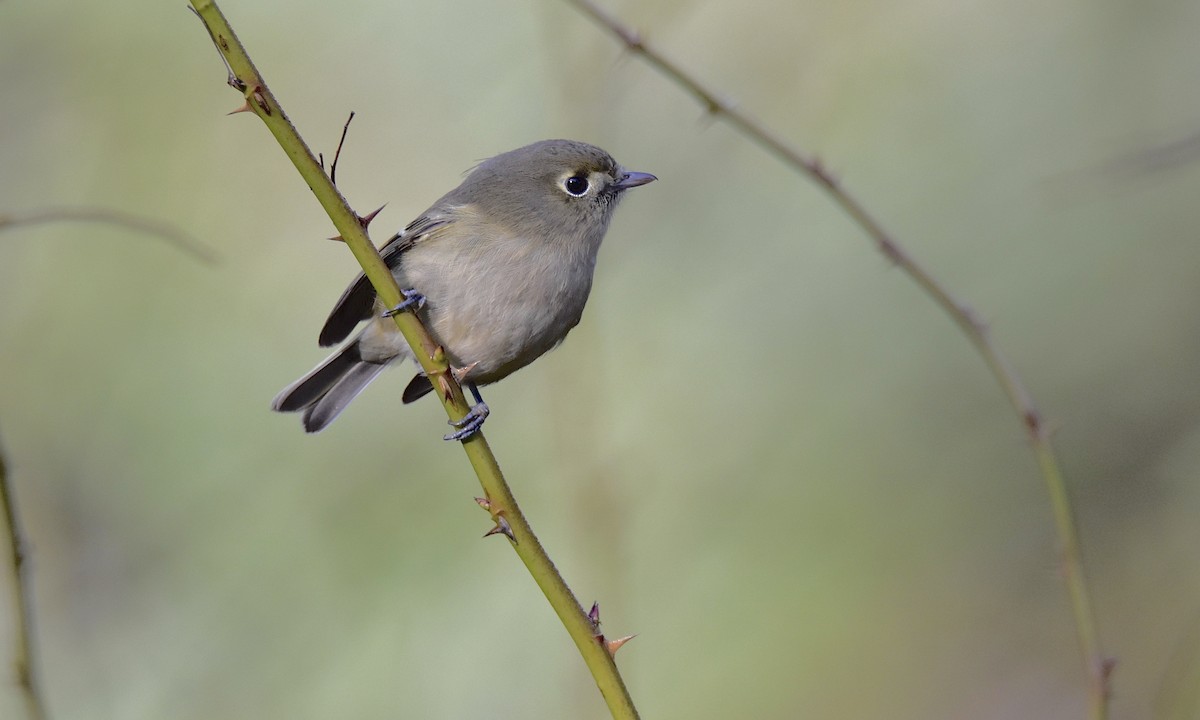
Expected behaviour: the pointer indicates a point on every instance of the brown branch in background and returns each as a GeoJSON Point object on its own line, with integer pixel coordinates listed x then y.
{"type": "Point", "coordinates": [20, 655]}
{"type": "Point", "coordinates": [173, 236]}
{"type": "Point", "coordinates": [1098, 667]}
{"type": "Point", "coordinates": [1156, 158]}
{"type": "Point", "coordinates": [1119, 170]}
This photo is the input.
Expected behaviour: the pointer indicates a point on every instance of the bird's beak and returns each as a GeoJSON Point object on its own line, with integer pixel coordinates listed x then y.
{"type": "Point", "coordinates": [633, 179]}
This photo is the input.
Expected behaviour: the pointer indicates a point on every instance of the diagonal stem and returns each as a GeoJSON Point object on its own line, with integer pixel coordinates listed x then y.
{"type": "Point", "coordinates": [1097, 667]}
{"type": "Point", "coordinates": [499, 498]}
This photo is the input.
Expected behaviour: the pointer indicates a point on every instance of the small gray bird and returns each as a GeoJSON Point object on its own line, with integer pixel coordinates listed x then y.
{"type": "Point", "coordinates": [498, 270]}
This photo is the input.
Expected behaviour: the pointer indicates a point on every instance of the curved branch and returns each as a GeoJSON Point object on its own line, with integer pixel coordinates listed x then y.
{"type": "Point", "coordinates": [173, 236]}
{"type": "Point", "coordinates": [1097, 666]}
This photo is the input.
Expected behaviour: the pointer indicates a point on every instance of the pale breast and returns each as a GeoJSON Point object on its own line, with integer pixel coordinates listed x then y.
{"type": "Point", "coordinates": [497, 305]}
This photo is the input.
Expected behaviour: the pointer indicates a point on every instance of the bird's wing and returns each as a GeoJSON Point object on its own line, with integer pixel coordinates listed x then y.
{"type": "Point", "coordinates": [358, 301]}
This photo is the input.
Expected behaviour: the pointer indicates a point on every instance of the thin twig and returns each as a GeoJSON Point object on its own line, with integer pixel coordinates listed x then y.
{"type": "Point", "coordinates": [22, 652]}
{"type": "Point", "coordinates": [498, 500]}
{"type": "Point", "coordinates": [173, 236]}
{"type": "Point", "coordinates": [1098, 667]}
{"type": "Point", "coordinates": [338, 153]}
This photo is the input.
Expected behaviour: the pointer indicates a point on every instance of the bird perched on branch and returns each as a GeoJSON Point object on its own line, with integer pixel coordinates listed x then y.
{"type": "Point", "coordinates": [498, 270]}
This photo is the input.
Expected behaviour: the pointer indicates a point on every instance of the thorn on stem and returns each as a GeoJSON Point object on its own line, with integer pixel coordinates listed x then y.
{"type": "Point", "coordinates": [261, 101]}
{"type": "Point", "coordinates": [460, 374]}
{"type": "Point", "coordinates": [502, 528]}
{"type": "Point", "coordinates": [614, 645]}
{"type": "Point", "coordinates": [443, 382]}
{"type": "Point", "coordinates": [365, 220]}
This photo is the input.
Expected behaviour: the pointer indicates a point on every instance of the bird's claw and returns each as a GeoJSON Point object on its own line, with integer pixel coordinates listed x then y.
{"type": "Point", "coordinates": [413, 300]}
{"type": "Point", "coordinates": [470, 423]}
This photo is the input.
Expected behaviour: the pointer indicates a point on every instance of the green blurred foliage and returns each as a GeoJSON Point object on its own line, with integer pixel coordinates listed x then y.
{"type": "Point", "coordinates": [763, 450]}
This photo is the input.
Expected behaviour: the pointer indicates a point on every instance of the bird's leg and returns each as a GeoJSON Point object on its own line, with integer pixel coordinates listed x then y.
{"type": "Point", "coordinates": [413, 300]}
{"type": "Point", "coordinates": [473, 420]}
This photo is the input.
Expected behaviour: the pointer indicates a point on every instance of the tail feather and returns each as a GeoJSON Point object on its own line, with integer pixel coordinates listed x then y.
{"type": "Point", "coordinates": [418, 388]}
{"type": "Point", "coordinates": [327, 389]}
{"type": "Point", "coordinates": [334, 401]}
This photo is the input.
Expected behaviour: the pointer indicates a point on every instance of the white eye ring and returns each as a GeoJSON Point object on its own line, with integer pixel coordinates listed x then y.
{"type": "Point", "coordinates": [576, 185]}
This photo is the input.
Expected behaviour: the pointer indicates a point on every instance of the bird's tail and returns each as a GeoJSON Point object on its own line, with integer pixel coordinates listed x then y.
{"type": "Point", "coordinates": [328, 388]}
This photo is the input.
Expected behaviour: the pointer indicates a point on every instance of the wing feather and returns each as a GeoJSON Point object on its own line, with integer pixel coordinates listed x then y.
{"type": "Point", "coordinates": [358, 301]}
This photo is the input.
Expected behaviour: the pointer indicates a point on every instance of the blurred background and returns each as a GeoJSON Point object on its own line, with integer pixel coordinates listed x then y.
{"type": "Point", "coordinates": [763, 450]}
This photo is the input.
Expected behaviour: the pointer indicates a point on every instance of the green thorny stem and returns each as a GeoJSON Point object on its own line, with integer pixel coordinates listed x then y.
{"type": "Point", "coordinates": [1097, 666]}
{"type": "Point", "coordinates": [498, 499]}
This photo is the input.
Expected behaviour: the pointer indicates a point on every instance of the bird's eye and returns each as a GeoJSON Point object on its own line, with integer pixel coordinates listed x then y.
{"type": "Point", "coordinates": [576, 185]}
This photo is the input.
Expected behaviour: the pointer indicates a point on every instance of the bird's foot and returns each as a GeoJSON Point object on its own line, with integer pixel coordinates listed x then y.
{"type": "Point", "coordinates": [470, 423]}
{"type": "Point", "coordinates": [413, 300]}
